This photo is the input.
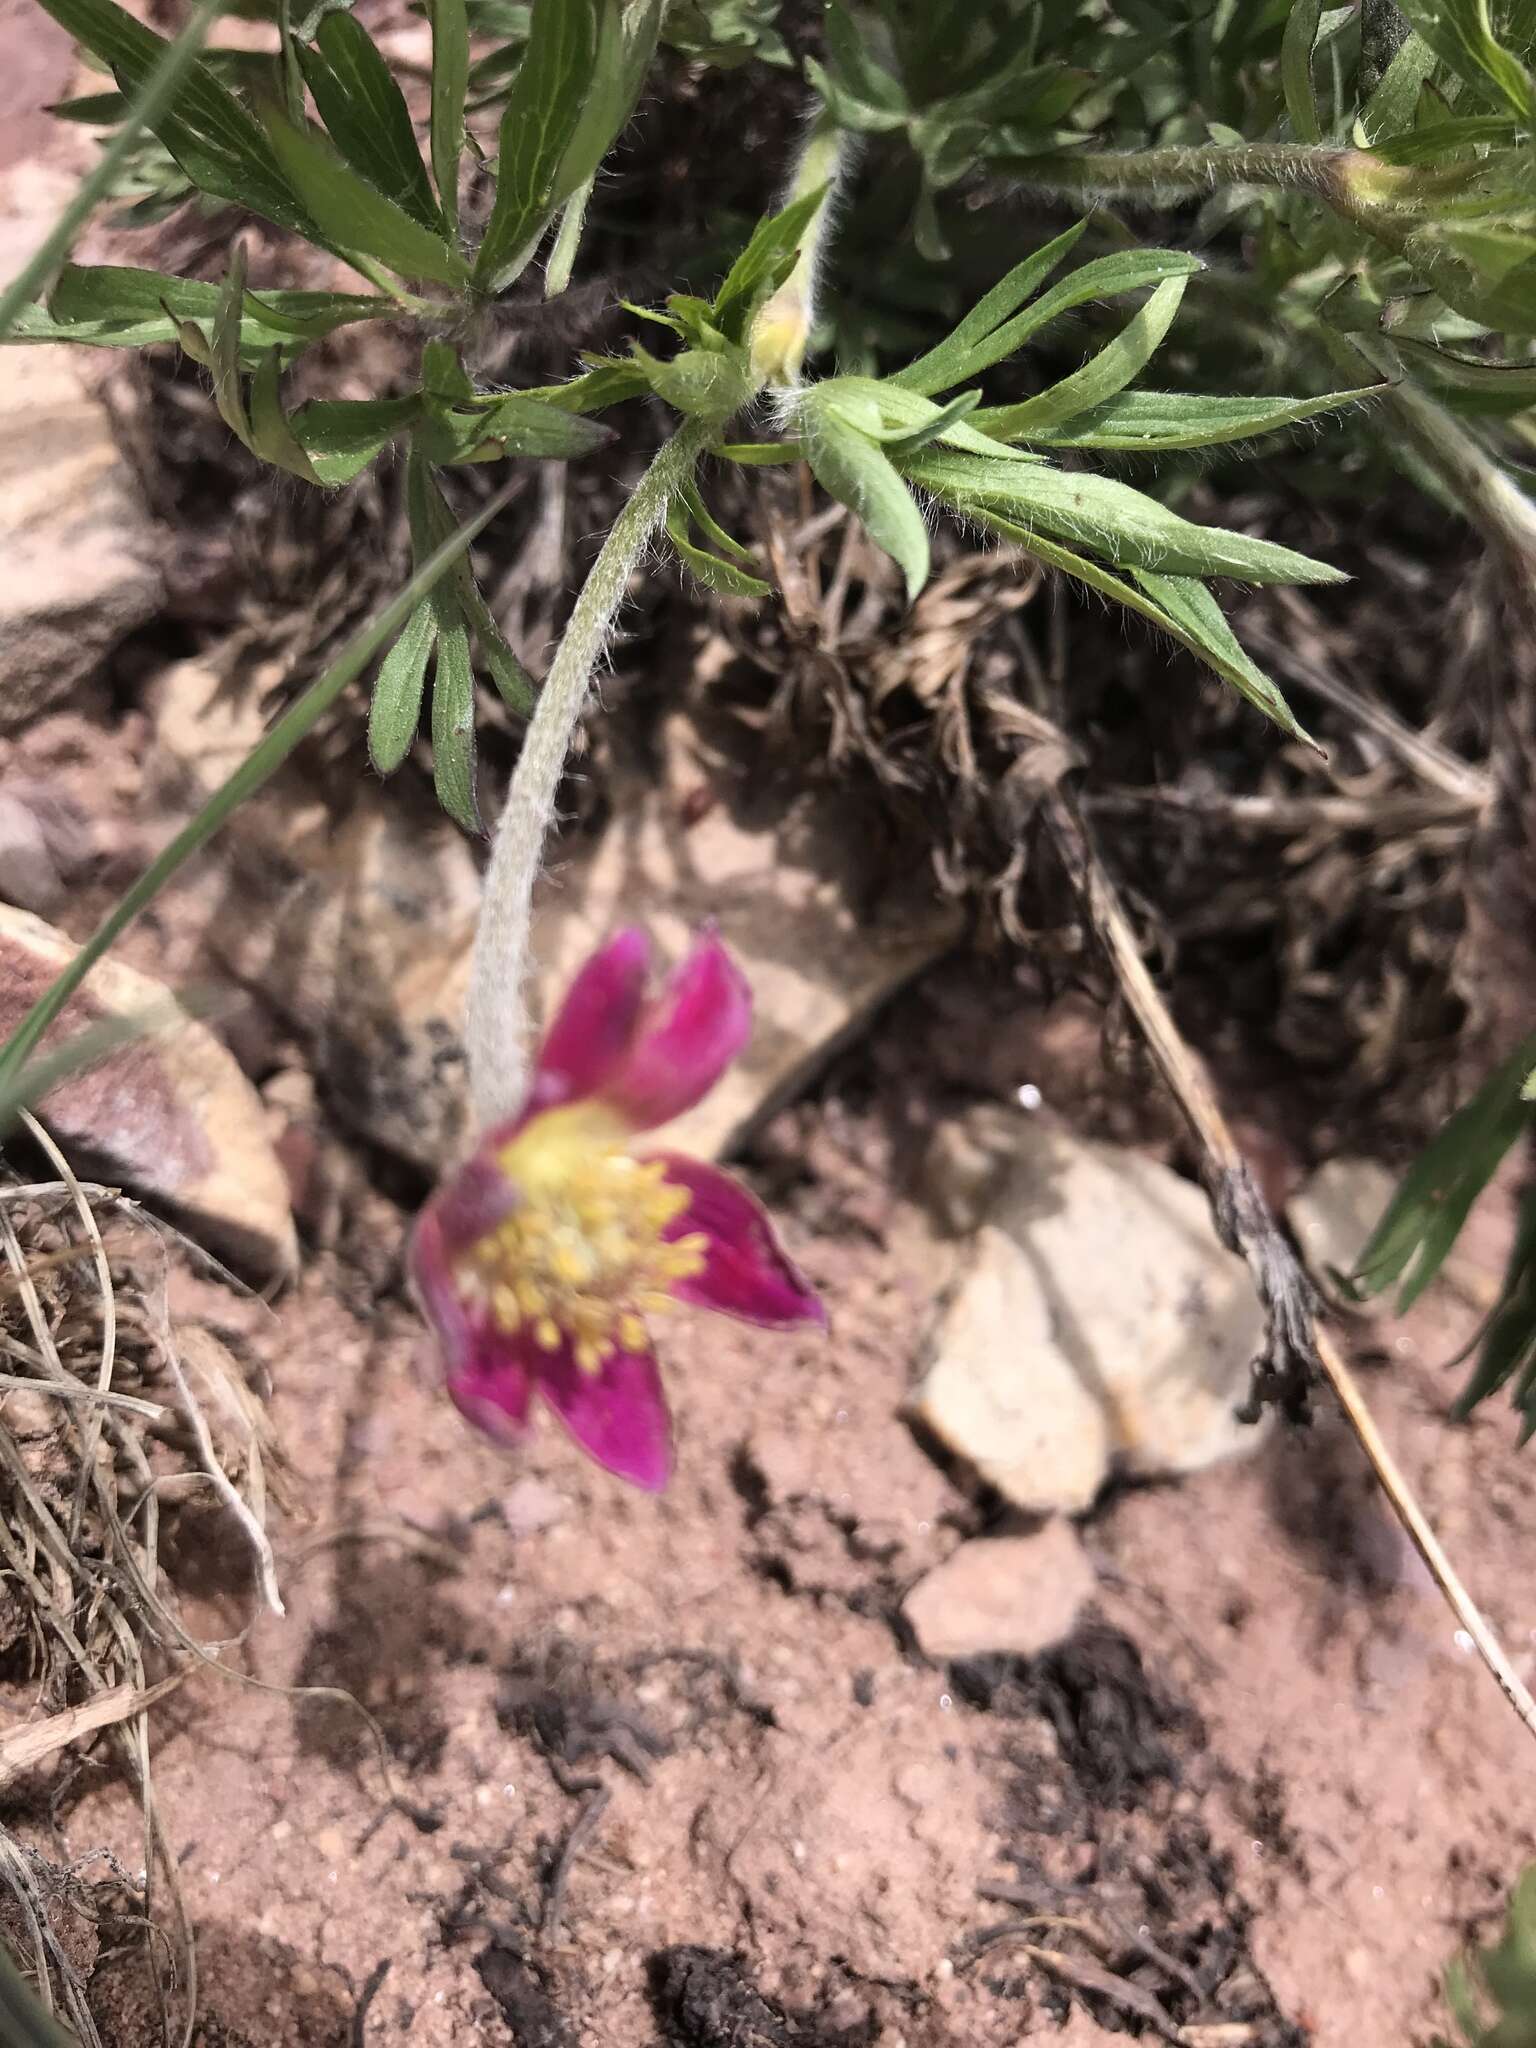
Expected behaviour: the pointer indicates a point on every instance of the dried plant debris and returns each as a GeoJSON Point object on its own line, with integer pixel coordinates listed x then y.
{"type": "Point", "coordinates": [126, 1441]}
{"type": "Point", "coordinates": [1119, 1902]}
{"type": "Point", "coordinates": [706, 1998]}
{"type": "Point", "coordinates": [1312, 909]}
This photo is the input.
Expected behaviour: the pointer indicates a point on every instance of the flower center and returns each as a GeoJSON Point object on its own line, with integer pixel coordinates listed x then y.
{"type": "Point", "coordinates": [583, 1258]}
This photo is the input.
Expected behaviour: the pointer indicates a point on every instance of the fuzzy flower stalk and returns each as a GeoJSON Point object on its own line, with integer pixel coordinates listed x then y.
{"type": "Point", "coordinates": [496, 1028]}
{"type": "Point", "coordinates": [540, 1262]}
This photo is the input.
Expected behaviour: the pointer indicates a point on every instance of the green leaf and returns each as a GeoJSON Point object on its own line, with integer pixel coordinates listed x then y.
{"type": "Point", "coordinates": [943, 366]}
{"type": "Point", "coordinates": [224, 353]}
{"type": "Point", "coordinates": [1102, 376]}
{"type": "Point", "coordinates": [700, 382]}
{"type": "Point", "coordinates": [906, 421]}
{"type": "Point", "coordinates": [1505, 387]}
{"type": "Point", "coordinates": [112, 293]}
{"type": "Point", "coordinates": [272, 438]}
{"type": "Point", "coordinates": [430, 519]}
{"type": "Point", "coordinates": [1105, 277]}
{"type": "Point", "coordinates": [713, 571]}
{"type": "Point", "coordinates": [1194, 610]}
{"type": "Point", "coordinates": [846, 108]}
{"type": "Point", "coordinates": [607, 383]}
{"type": "Point", "coordinates": [206, 129]}
{"type": "Point", "coordinates": [764, 263]}
{"type": "Point", "coordinates": [342, 436]}
{"type": "Point", "coordinates": [453, 720]}
{"type": "Point", "coordinates": [509, 424]}
{"type": "Point", "coordinates": [395, 711]}
{"type": "Point", "coordinates": [1151, 420]}
{"type": "Point", "coordinates": [859, 475]}
{"type": "Point", "coordinates": [541, 116]}
{"type": "Point", "coordinates": [366, 115]}
{"type": "Point", "coordinates": [1211, 645]}
{"type": "Point", "coordinates": [450, 82]}
{"type": "Point", "coordinates": [562, 255]}
{"type": "Point", "coordinates": [513, 683]}
{"type": "Point", "coordinates": [1424, 1217]}
{"type": "Point", "coordinates": [857, 72]}
{"type": "Point", "coordinates": [354, 215]}
{"type": "Point", "coordinates": [1391, 107]}
{"type": "Point", "coordinates": [1508, 1346]}
{"type": "Point", "coordinates": [23, 2016]}
{"type": "Point", "coordinates": [1127, 527]}
{"type": "Point", "coordinates": [1460, 32]}
{"type": "Point", "coordinates": [710, 527]}
{"type": "Point", "coordinates": [93, 110]}
{"type": "Point", "coordinates": [1296, 69]}
{"type": "Point", "coordinates": [208, 108]}
{"type": "Point", "coordinates": [618, 71]}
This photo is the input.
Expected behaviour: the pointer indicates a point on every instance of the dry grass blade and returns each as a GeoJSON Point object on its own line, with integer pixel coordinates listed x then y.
{"type": "Point", "coordinates": [22, 1748]}
{"type": "Point", "coordinates": [101, 1433]}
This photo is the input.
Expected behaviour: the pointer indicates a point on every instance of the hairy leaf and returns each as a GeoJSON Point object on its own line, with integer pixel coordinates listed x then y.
{"type": "Point", "coordinates": [857, 473]}
{"type": "Point", "coordinates": [395, 710]}
{"type": "Point", "coordinates": [1101, 377]}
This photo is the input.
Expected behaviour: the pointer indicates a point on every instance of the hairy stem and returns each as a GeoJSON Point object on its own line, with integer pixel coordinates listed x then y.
{"type": "Point", "coordinates": [496, 1030]}
{"type": "Point", "coordinates": [1374, 196]}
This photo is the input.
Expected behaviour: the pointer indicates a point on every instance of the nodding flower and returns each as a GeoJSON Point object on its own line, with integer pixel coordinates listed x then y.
{"type": "Point", "coordinates": [540, 1261]}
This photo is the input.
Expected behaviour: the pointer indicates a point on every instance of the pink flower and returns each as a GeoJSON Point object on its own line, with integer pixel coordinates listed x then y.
{"type": "Point", "coordinates": [539, 1261]}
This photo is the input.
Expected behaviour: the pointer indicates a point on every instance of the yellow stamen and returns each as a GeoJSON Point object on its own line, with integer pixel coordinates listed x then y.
{"type": "Point", "coordinates": [584, 1256]}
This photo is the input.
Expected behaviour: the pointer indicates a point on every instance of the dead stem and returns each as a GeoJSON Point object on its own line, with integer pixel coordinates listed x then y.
{"type": "Point", "coordinates": [1296, 1349]}
{"type": "Point", "coordinates": [223, 1485]}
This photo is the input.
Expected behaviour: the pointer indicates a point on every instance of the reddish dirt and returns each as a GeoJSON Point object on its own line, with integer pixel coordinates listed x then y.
{"type": "Point", "coordinates": [668, 1773]}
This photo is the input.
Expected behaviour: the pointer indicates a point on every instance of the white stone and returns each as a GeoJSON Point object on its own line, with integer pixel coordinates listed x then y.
{"type": "Point", "coordinates": [1018, 1595]}
{"type": "Point", "coordinates": [1334, 1214]}
{"type": "Point", "coordinates": [1097, 1325]}
{"type": "Point", "coordinates": [77, 574]}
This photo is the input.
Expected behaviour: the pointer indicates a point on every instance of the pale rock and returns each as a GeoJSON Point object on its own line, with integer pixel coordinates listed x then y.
{"type": "Point", "coordinates": [1014, 1595]}
{"type": "Point", "coordinates": [29, 874]}
{"type": "Point", "coordinates": [170, 1115]}
{"type": "Point", "coordinates": [1098, 1325]}
{"type": "Point", "coordinates": [1334, 1214]}
{"type": "Point", "coordinates": [76, 577]}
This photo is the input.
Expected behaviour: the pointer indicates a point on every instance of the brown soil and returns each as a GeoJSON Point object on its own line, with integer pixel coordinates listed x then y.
{"type": "Point", "coordinates": [666, 1772]}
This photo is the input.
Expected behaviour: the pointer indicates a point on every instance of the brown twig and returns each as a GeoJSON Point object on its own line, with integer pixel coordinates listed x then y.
{"type": "Point", "coordinates": [1296, 1350]}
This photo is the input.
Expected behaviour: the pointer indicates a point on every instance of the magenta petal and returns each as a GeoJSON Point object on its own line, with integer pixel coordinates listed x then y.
{"type": "Point", "coordinates": [594, 1026]}
{"type": "Point", "coordinates": [685, 1040]}
{"type": "Point", "coordinates": [494, 1390]}
{"type": "Point", "coordinates": [747, 1272]}
{"type": "Point", "coordinates": [618, 1414]}
{"type": "Point", "coordinates": [485, 1371]}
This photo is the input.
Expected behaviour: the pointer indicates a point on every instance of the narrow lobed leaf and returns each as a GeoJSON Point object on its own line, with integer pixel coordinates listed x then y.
{"type": "Point", "coordinates": [540, 119]}
{"type": "Point", "coordinates": [354, 215]}
{"type": "Point", "coordinates": [365, 113]}
{"type": "Point", "coordinates": [450, 82]}
{"type": "Point", "coordinates": [860, 475]}
{"type": "Point", "coordinates": [1102, 376]}
{"type": "Point", "coordinates": [395, 711]}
